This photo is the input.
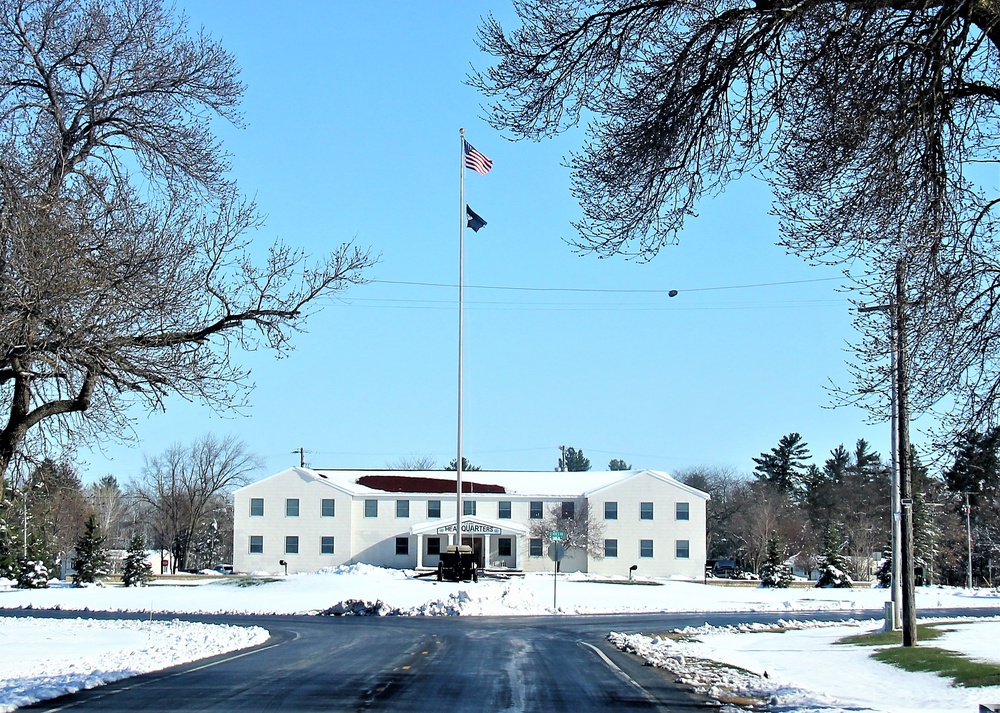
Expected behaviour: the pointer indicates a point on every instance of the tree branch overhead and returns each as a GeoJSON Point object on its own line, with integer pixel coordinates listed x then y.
{"type": "Point", "coordinates": [124, 258]}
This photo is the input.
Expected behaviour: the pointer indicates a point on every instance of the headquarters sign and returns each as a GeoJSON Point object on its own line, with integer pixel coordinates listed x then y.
{"type": "Point", "coordinates": [471, 528]}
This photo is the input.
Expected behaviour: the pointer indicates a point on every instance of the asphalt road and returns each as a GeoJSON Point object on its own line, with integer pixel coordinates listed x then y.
{"type": "Point", "coordinates": [447, 664]}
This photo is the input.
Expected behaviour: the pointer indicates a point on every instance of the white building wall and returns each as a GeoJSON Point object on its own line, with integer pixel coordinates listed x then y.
{"type": "Point", "coordinates": [372, 540]}
{"type": "Point", "coordinates": [665, 531]}
{"type": "Point", "coordinates": [274, 526]}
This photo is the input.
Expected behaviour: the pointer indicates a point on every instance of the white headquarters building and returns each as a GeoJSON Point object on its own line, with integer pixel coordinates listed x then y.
{"type": "Point", "coordinates": [315, 518]}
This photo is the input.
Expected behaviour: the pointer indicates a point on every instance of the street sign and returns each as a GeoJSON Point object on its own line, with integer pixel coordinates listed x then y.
{"type": "Point", "coordinates": [557, 552]}
{"type": "Point", "coordinates": [557, 536]}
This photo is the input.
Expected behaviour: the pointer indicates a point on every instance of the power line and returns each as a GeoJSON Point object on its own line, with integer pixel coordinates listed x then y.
{"type": "Point", "coordinates": [603, 289]}
{"type": "Point", "coordinates": [401, 303]}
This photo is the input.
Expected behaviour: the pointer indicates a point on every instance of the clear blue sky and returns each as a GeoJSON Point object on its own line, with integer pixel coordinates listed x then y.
{"type": "Point", "coordinates": [352, 113]}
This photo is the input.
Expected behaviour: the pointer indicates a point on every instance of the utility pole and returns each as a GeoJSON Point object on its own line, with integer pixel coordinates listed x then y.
{"type": "Point", "coordinates": [302, 456]}
{"type": "Point", "coordinates": [562, 460]}
{"type": "Point", "coordinates": [968, 540]}
{"type": "Point", "coordinates": [909, 609]}
{"type": "Point", "coordinates": [903, 594]}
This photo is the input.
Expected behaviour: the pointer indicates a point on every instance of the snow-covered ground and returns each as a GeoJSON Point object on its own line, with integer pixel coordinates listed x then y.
{"type": "Point", "coordinates": [45, 658]}
{"type": "Point", "coordinates": [805, 671]}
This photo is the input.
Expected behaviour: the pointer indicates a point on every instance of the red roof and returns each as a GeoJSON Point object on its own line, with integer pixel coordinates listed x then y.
{"type": "Point", "coordinates": [419, 484]}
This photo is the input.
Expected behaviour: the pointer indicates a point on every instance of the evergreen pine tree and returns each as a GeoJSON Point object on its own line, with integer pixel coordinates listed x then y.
{"type": "Point", "coordinates": [785, 466]}
{"type": "Point", "coordinates": [927, 533]}
{"type": "Point", "coordinates": [32, 572]}
{"type": "Point", "coordinates": [8, 549]}
{"type": "Point", "coordinates": [832, 565]}
{"type": "Point", "coordinates": [883, 573]}
{"type": "Point", "coordinates": [619, 464]}
{"type": "Point", "coordinates": [91, 556]}
{"type": "Point", "coordinates": [467, 467]}
{"type": "Point", "coordinates": [574, 461]}
{"type": "Point", "coordinates": [774, 572]}
{"type": "Point", "coordinates": [137, 571]}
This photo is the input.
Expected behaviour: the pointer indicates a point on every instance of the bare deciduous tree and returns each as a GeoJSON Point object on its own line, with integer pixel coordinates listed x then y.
{"type": "Point", "coordinates": [180, 487]}
{"type": "Point", "coordinates": [412, 462]}
{"type": "Point", "coordinates": [125, 270]}
{"type": "Point", "coordinates": [874, 122]}
{"type": "Point", "coordinates": [580, 530]}
{"type": "Point", "coordinates": [730, 492]}
{"type": "Point", "coordinates": [110, 506]}
{"type": "Point", "coordinates": [767, 510]}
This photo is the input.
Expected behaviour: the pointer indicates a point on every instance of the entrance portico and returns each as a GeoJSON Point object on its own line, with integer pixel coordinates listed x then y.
{"type": "Point", "coordinates": [495, 543]}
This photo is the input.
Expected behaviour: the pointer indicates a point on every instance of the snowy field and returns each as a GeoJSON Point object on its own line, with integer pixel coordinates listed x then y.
{"type": "Point", "coordinates": [805, 671]}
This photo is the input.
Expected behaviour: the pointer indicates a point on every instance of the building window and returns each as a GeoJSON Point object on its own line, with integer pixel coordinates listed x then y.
{"type": "Point", "coordinates": [291, 544]}
{"type": "Point", "coordinates": [469, 507]}
{"type": "Point", "coordinates": [683, 511]}
{"type": "Point", "coordinates": [326, 545]}
{"type": "Point", "coordinates": [402, 508]}
{"type": "Point", "coordinates": [683, 549]}
{"type": "Point", "coordinates": [645, 548]}
{"type": "Point", "coordinates": [329, 507]}
{"type": "Point", "coordinates": [645, 511]}
{"type": "Point", "coordinates": [535, 510]}
{"type": "Point", "coordinates": [568, 510]}
{"type": "Point", "coordinates": [256, 507]}
{"type": "Point", "coordinates": [503, 510]}
{"type": "Point", "coordinates": [611, 548]}
{"type": "Point", "coordinates": [433, 545]}
{"type": "Point", "coordinates": [256, 544]}
{"type": "Point", "coordinates": [292, 507]}
{"type": "Point", "coordinates": [402, 545]}
{"type": "Point", "coordinates": [371, 508]}
{"type": "Point", "coordinates": [504, 547]}
{"type": "Point", "coordinates": [611, 510]}
{"type": "Point", "coordinates": [433, 508]}
{"type": "Point", "coordinates": [535, 547]}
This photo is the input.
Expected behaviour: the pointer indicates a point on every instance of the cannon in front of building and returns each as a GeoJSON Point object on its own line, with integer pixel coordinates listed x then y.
{"type": "Point", "coordinates": [457, 564]}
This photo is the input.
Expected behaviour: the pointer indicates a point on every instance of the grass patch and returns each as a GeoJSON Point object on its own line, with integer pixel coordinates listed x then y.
{"type": "Point", "coordinates": [959, 669]}
{"type": "Point", "coordinates": [925, 632]}
{"type": "Point", "coordinates": [253, 581]}
{"type": "Point", "coordinates": [928, 659]}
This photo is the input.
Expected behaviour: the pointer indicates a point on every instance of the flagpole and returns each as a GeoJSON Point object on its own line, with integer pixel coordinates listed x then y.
{"type": "Point", "coordinates": [461, 320]}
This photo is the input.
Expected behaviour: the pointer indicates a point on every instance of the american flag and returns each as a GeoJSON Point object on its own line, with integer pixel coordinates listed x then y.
{"type": "Point", "coordinates": [476, 161]}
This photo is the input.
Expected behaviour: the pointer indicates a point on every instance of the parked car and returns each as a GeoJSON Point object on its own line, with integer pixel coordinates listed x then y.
{"type": "Point", "coordinates": [724, 569]}
{"type": "Point", "coordinates": [223, 568]}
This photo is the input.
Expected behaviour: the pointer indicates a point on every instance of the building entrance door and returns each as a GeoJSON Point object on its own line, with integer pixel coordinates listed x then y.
{"type": "Point", "coordinates": [476, 543]}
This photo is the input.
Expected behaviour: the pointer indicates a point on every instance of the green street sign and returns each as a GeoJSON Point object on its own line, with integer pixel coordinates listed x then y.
{"type": "Point", "coordinates": [557, 536]}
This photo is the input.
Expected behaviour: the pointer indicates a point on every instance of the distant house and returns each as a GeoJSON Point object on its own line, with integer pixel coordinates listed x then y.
{"type": "Point", "coordinates": [316, 518]}
{"type": "Point", "coordinates": [159, 562]}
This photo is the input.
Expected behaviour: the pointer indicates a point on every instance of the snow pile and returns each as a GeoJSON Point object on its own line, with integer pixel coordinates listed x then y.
{"type": "Point", "coordinates": [360, 607]}
{"type": "Point", "coordinates": [508, 599]}
{"type": "Point", "coordinates": [723, 683]}
{"type": "Point", "coordinates": [367, 570]}
{"type": "Point", "coordinates": [59, 656]}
